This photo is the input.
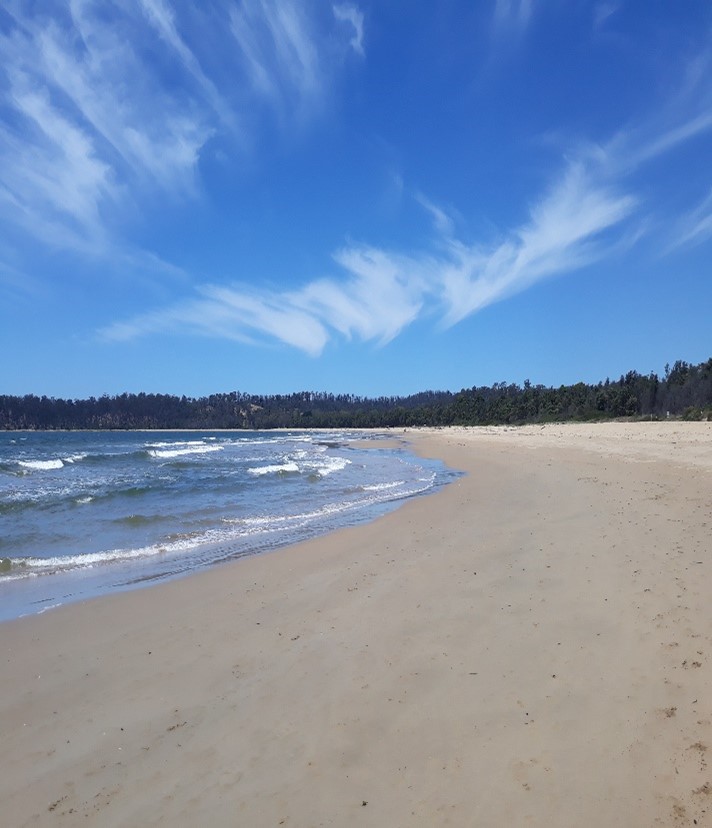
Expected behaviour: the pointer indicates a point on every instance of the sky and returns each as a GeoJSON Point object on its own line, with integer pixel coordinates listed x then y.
{"type": "Point", "coordinates": [373, 197]}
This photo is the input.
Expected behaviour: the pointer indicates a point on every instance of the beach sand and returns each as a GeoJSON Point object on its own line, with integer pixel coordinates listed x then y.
{"type": "Point", "coordinates": [531, 646]}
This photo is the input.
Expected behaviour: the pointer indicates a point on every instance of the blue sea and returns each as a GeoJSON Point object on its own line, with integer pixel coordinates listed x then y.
{"type": "Point", "coordinates": [88, 513]}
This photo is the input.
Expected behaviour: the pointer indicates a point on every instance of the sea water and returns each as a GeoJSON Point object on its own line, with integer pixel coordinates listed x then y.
{"type": "Point", "coordinates": [86, 513]}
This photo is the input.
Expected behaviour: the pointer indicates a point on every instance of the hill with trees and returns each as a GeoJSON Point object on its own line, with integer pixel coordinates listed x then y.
{"type": "Point", "coordinates": [683, 391]}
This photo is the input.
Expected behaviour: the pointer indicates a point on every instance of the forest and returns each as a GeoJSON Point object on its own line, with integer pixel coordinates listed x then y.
{"type": "Point", "coordinates": [684, 391]}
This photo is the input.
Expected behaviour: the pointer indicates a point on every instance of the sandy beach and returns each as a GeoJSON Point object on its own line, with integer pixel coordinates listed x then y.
{"type": "Point", "coordinates": [531, 646]}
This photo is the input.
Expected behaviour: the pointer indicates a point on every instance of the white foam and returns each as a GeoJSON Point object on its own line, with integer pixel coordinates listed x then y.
{"type": "Point", "coordinates": [275, 523]}
{"type": "Point", "coordinates": [89, 559]}
{"type": "Point", "coordinates": [274, 469]}
{"type": "Point", "coordinates": [167, 454]}
{"type": "Point", "coordinates": [238, 528]}
{"type": "Point", "coordinates": [279, 439]}
{"type": "Point", "coordinates": [75, 458]}
{"type": "Point", "coordinates": [383, 487]}
{"type": "Point", "coordinates": [48, 607]}
{"type": "Point", "coordinates": [176, 444]}
{"type": "Point", "coordinates": [303, 461]}
{"type": "Point", "coordinates": [268, 523]}
{"type": "Point", "coordinates": [41, 465]}
{"type": "Point", "coordinates": [328, 465]}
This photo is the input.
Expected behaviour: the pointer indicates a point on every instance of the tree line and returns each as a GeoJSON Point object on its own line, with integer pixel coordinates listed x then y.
{"type": "Point", "coordinates": [683, 391]}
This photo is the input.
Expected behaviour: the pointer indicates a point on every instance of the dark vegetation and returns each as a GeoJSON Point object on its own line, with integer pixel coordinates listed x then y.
{"type": "Point", "coordinates": [684, 391]}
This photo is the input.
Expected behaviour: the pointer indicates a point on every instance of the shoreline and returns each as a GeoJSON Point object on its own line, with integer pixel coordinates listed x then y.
{"type": "Point", "coordinates": [103, 549]}
{"type": "Point", "coordinates": [528, 645]}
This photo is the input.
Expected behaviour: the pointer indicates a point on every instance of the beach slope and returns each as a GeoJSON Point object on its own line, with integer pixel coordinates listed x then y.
{"type": "Point", "coordinates": [530, 646]}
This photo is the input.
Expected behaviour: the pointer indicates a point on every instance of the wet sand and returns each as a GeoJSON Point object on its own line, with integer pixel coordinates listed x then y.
{"type": "Point", "coordinates": [530, 646]}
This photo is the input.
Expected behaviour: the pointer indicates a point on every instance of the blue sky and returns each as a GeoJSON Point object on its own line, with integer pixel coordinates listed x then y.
{"type": "Point", "coordinates": [374, 197]}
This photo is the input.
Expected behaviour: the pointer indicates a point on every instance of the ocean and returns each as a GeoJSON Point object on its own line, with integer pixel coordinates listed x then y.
{"type": "Point", "coordinates": [88, 513]}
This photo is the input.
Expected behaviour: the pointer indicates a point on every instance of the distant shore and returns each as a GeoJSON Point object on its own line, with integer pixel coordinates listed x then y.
{"type": "Point", "coordinates": [531, 645]}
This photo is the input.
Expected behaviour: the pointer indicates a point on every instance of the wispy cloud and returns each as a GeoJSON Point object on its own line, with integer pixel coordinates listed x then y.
{"type": "Point", "coordinates": [695, 227]}
{"type": "Point", "coordinates": [511, 15]}
{"type": "Point", "coordinates": [17, 285]}
{"type": "Point", "coordinates": [675, 129]}
{"type": "Point", "coordinates": [650, 147]}
{"type": "Point", "coordinates": [382, 295]}
{"type": "Point", "coordinates": [279, 53]}
{"type": "Point", "coordinates": [350, 14]}
{"type": "Point", "coordinates": [229, 313]}
{"type": "Point", "coordinates": [161, 17]}
{"type": "Point", "coordinates": [589, 211]}
{"type": "Point", "coordinates": [442, 221]}
{"type": "Point", "coordinates": [564, 233]}
{"type": "Point", "coordinates": [379, 296]}
{"type": "Point", "coordinates": [91, 129]}
{"type": "Point", "coordinates": [602, 11]}
{"type": "Point", "coordinates": [52, 185]}
{"type": "Point", "coordinates": [108, 105]}
{"type": "Point", "coordinates": [381, 292]}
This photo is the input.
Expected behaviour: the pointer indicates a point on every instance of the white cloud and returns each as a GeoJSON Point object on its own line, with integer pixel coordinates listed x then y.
{"type": "Point", "coordinates": [53, 183]}
{"type": "Point", "coordinates": [17, 285]}
{"type": "Point", "coordinates": [379, 297]}
{"type": "Point", "coordinates": [511, 15]}
{"type": "Point", "coordinates": [111, 105]}
{"type": "Point", "coordinates": [660, 143]}
{"type": "Point", "coordinates": [591, 210]}
{"type": "Point", "coordinates": [695, 227]}
{"type": "Point", "coordinates": [674, 128]}
{"type": "Point", "coordinates": [381, 292]}
{"type": "Point", "coordinates": [350, 14]}
{"type": "Point", "coordinates": [92, 129]}
{"type": "Point", "coordinates": [442, 221]}
{"type": "Point", "coordinates": [382, 295]}
{"type": "Point", "coordinates": [162, 18]}
{"type": "Point", "coordinates": [99, 125]}
{"type": "Point", "coordinates": [601, 13]}
{"type": "Point", "coordinates": [157, 133]}
{"type": "Point", "coordinates": [562, 234]}
{"type": "Point", "coordinates": [265, 314]}
{"type": "Point", "coordinates": [279, 53]}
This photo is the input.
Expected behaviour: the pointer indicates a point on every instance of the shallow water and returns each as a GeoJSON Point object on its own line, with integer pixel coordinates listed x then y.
{"type": "Point", "coordinates": [84, 513]}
